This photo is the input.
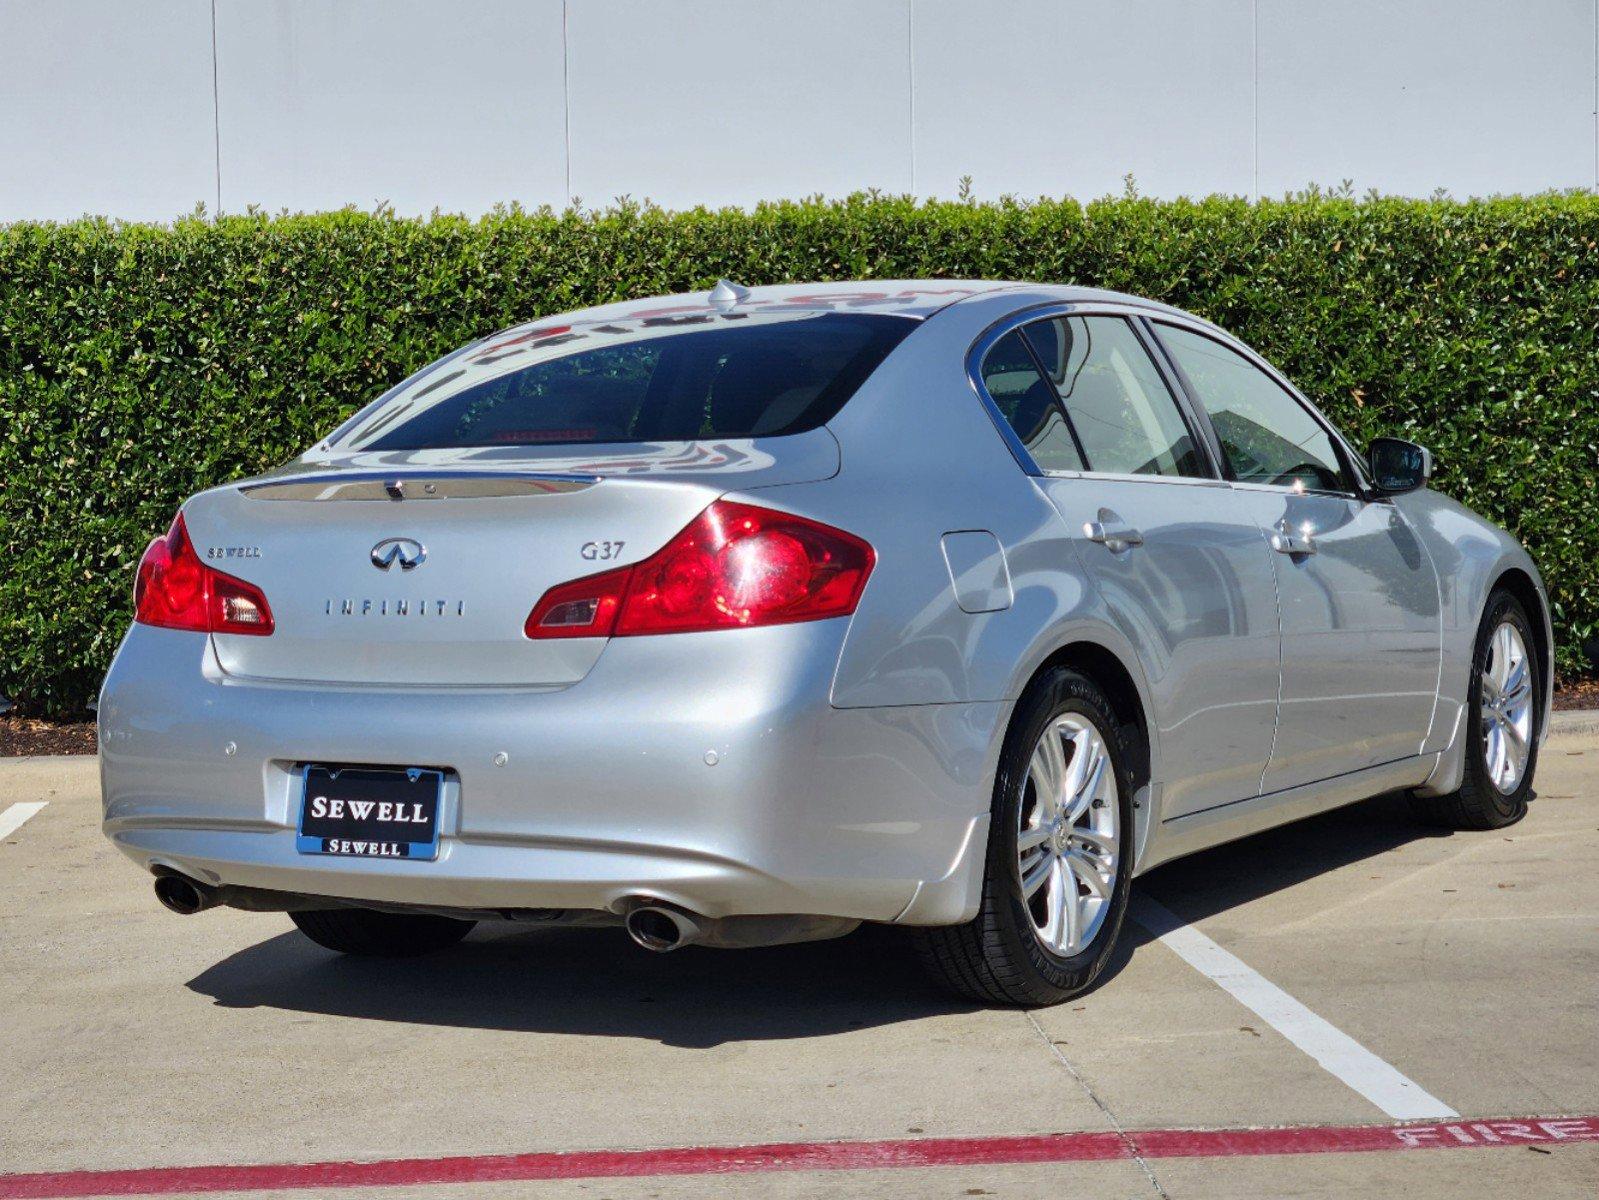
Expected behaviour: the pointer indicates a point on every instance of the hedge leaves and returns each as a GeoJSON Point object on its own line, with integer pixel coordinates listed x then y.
{"type": "Point", "coordinates": [139, 364]}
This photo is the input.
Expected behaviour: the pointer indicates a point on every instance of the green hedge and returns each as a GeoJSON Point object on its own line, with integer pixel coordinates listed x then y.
{"type": "Point", "coordinates": [140, 363]}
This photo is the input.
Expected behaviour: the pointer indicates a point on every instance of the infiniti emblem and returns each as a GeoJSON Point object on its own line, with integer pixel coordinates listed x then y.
{"type": "Point", "coordinates": [408, 552]}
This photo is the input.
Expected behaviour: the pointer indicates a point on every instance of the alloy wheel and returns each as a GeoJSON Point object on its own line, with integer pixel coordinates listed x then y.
{"type": "Point", "coordinates": [1068, 840]}
{"type": "Point", "coordinates": [1506, 708]}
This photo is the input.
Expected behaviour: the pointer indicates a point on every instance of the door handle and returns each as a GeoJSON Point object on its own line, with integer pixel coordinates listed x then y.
{"type": "Point", "coordinates": [1286, 540]}
{"type": "Point", "coordinates": [1111, 532]}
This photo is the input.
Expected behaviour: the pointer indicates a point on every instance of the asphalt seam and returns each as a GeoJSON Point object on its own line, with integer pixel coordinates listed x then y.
{"type": "Point", "coordinates": [1573, 721]}
{"type": "Point", "coordinates": [1121, 1133]}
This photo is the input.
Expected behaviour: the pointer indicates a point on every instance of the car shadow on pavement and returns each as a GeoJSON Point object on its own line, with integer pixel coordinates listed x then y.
{"type": "Point", "coordinates": [594, 981]}
{"type": "Point", "coordinates": [1209, 883]}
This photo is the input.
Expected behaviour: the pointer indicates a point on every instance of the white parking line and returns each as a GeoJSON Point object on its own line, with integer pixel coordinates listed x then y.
{"type": "Point", "coordinates": [14, 817]}
{"type": "Point", "coordinates": [1401, 1098]}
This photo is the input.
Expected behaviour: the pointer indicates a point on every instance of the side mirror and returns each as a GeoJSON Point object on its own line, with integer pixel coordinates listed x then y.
{"type": "Point", "coordinates": [1399, 466]}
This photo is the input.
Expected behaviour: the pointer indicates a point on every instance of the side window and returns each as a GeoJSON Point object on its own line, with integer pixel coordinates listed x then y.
{"type": "Point", "coordinates": [1028, 403]}
{"type": "Point", "coordinates": [1123, 415]}
{"type": "Point", "coordinates": [1266, 434]}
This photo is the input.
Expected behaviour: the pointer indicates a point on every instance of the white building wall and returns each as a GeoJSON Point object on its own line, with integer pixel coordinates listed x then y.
{"type": "Point", "coordinates": [144, 108]}
{"type": "Point", "coordinates": [105, 107]}
{"type": "Point", "coordinates": [1476, 96]}
{"type": "Point", "coordinates": [418, 103]}
{"type": "Point", "coordinates": [733, 102]}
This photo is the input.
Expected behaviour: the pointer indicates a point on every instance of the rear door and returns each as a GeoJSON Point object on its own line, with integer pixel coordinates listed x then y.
{"type": "Point", "coordinates": [1180, 564]}
{"type": "Point", "coordinates": [1360, 609]}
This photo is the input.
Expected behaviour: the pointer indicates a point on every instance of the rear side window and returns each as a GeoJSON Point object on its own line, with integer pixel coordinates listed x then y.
{"type": "Point", "coordinates": [1027, 402]}
{"type": "Point", "coordinates": [654, 380]}
{"type": "Point", "coordinates": [1123, 414]}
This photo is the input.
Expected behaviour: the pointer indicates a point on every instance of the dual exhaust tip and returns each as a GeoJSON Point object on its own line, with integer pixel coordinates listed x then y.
{"type": "Point", "coordinates": [653, 926]}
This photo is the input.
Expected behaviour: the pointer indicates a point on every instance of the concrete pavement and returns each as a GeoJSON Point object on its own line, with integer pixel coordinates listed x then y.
{"type": "Point", "coordinates": [130, 1038]}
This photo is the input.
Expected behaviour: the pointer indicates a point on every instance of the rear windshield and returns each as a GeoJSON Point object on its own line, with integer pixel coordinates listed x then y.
{"type": "Point", "coordinates": [725, 375]}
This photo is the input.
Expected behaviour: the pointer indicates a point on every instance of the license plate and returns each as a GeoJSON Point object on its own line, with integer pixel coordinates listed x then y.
{"type": "Point", "coordinates": [370, 812]}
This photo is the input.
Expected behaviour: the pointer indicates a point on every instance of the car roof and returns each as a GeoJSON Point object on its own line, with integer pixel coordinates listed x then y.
{"type": "Point", "coordinates": [916, 299]}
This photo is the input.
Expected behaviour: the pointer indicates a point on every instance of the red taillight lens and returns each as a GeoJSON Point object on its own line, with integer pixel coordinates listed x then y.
{"type": "Point", "coordinates": [175, 590]}
{"type": "Point", "coordinates": [735, 566]}
{"type": "Point", "coordinates": [738, 565]}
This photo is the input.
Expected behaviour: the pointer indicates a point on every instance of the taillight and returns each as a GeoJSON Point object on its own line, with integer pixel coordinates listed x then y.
{"type": "Point", "coordinates": [738, 565]}
{"type": "Point", "coordinates": [175, 590]}
{"type": "Point", "coordinates": [583, 608]}
{"type": "Point", "coordinates": [734, 566]}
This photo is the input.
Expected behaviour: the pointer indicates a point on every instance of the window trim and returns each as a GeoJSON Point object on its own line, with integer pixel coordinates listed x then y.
{"type": "Point", "coordinates": [1132, 315]}
{"type": "Point", "coordinates": [1043, 377]}
{"type": "Point", "coordinates": [1348, 460]}
{"type": "Point", "coordinates": [1025, 456]}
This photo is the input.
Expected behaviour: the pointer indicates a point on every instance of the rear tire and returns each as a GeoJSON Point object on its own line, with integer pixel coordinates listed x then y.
{"type": "Point", "coordinates": [1480, 803]}
{"type": "Point", "coordinates": [1003, 955]}
{"type": "Point", "coordinates": [371, 934]}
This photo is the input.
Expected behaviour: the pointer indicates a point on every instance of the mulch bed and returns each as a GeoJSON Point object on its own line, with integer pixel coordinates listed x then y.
{"type": "Point", "coordinates": [22, 736]}
{"type": "Point", "coordinates": [1579, 693]}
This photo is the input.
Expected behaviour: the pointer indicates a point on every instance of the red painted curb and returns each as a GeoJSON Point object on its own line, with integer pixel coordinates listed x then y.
{"type": "Point", "coordinates": [806, 1156]}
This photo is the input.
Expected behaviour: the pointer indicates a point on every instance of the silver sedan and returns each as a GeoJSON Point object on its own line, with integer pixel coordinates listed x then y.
{"type": "Point", "coordinates": [745, 617]}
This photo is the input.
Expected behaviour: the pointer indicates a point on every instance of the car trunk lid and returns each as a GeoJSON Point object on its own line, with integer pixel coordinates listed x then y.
{"type": "Point", "coordinates": [414, 571]}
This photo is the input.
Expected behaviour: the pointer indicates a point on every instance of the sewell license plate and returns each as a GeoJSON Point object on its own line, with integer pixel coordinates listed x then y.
{"type": "Point", "coordinates": [370, 812]}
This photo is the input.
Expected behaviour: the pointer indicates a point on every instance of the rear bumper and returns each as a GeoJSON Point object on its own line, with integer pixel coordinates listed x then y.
{"type": "Point", "coordinates": [608, 791]}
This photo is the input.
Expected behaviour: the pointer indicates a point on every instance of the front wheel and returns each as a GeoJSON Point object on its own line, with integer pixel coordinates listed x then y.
{"type": "Point", "coordinates": [1501, 725]}
{"type": "Point", "coordinates": [1059, 854]}
{"type": "Point", "coordinates": [371, 934]}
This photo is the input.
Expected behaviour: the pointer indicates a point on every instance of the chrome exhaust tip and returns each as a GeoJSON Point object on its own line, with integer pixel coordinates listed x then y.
{"type": "Point", "coordinates": [183, 896]}
{"type": "Point", "coordinates": [661, 929]}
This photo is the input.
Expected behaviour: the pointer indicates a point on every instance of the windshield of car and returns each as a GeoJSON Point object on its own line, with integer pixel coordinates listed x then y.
{"type": "Point", "coordinates": [727, 375]}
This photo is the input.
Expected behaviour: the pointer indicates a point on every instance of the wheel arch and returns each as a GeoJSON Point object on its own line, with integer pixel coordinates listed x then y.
{"type": "Point", "coordinates": [1121, 680]}
{"type": "Point", "coordinates": [1520, 581]}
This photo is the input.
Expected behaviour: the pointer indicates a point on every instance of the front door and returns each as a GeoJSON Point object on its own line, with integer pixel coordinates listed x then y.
{"type": "Point", "coordinates": [1357, 592]}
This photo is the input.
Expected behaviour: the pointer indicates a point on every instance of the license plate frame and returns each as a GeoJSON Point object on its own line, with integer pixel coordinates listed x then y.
{"type": "Point", "coordinates": [415, 796]}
